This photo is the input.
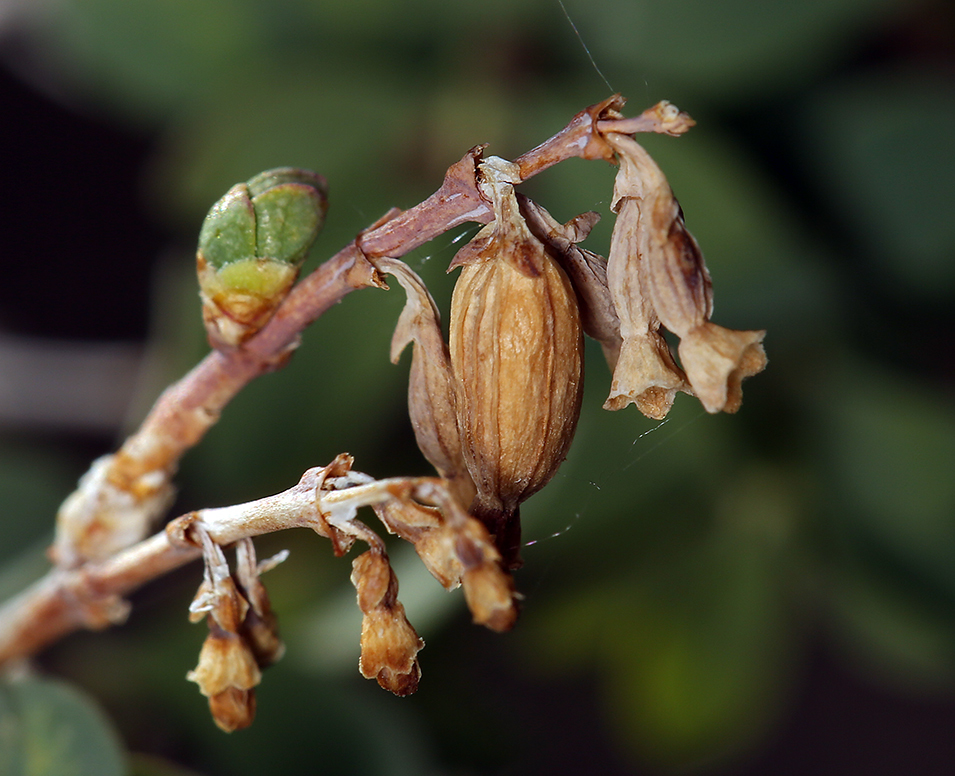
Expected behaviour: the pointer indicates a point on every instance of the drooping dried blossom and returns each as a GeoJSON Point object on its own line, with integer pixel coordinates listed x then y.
{"type": "Point", "coordinates": [389, 645]}
{"type": "Point", "coordinates": [243, 636]}
{"type": "Point", "coordinates": [657, 276]}
{"type": "Point", "coordinates": [456, 548]}
{"type": "Point", "coordinates": [516, 349]}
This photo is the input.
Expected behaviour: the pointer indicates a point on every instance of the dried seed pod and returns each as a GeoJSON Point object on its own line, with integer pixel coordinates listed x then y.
{"type": "Point", "coordinates": [516, 351]}
{"type": "Point", "coordinates": [251, 246]}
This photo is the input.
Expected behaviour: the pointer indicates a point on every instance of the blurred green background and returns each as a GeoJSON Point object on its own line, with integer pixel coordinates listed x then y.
{"type": "Point", "coordinates": [766, 593]}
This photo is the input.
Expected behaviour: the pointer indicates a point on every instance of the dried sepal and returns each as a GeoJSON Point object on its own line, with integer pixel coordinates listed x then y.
{"type": "Point", "coordinates": [431, 400]}
{"type": "Point", "coordinates": [389, 644]}
{"type": "Point", "coordinates": [516, 347]}
{"type": "Point", "coordinates": [587, 272]}
{"type": "Point", "coordinates": [260, 625]}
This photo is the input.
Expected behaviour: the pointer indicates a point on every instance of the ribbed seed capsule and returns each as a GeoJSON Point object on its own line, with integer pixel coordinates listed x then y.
{"type": "Point", "coordinates": [515, 346]}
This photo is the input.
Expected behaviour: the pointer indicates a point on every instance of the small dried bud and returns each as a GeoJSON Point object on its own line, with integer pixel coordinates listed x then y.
{"type": "Point", "coordinates": [233, 709]}
{"type": "Point", "coordinates": [227, 673]}
{"type": "Point", "coordinates": [515, 345]}
{"type": "Point", "coordinates": [251, 247]}
{"type": "Point", "coordinates": [389, 645]}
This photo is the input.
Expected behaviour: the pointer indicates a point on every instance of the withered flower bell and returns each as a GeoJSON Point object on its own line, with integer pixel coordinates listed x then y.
{"type": "Point", "coordinates": [656, 275]}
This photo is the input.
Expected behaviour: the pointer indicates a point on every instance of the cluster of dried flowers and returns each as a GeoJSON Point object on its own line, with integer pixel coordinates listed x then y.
{"type": "Point", "coordinates": [494, 408]}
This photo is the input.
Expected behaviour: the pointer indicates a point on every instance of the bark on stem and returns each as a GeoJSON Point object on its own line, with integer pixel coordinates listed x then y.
{"type": "Point", "coordinates": [90, 594]}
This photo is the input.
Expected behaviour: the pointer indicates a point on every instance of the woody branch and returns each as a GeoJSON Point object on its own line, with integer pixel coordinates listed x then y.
{"type": "Point", "coordinates": [83, 591]}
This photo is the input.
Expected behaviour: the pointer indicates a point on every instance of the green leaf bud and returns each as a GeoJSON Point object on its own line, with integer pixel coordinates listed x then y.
{"type": "Point", "coordinates": [251, 247]}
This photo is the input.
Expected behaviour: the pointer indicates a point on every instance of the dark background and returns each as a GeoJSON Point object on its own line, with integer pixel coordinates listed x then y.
{"type": "Point", "coordinates": [767, 593]}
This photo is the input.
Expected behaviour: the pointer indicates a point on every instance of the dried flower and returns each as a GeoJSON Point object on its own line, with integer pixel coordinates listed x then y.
{"type": "Point", "coordinates": [251, 247]}
{"type": "Point", "coordinates": [656, 275]}
{"type": "Point", "coordinates": [243, 636]}
{"type": "Point", "coordinates": [389, 645]}
{"type": "Point", "coordinates": [516, 350]}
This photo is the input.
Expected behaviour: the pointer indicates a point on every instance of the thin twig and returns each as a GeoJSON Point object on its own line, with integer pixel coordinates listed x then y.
{"type": "Point", "coordinates": [90, 595]}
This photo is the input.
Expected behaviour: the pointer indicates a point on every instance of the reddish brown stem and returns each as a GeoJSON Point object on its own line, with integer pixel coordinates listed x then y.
{"type": "Point", "coordinates": [89, 595]}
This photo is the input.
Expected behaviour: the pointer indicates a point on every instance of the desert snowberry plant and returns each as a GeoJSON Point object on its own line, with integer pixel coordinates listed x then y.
{"type": "Point", "coordinates": [494, 407]}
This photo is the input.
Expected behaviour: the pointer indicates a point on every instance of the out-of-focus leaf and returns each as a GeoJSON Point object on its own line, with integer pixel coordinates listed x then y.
{"type": "Point", "coordinates": [880, 148]}
{"type": "Point", "coordinates": [334, 125]}
{"type": "Point", "coordinates": [33, 483]}
{"type": "Point", "coordinates": [892, 453]}
{"type": "Point", "coordinates": [146, 765]}
{"type": "Point", "coordinates": [694, 647]}
{"type": "Point", "coordinates": [48, 728]}
{"type": "Point", "coordinates": [893, 630]}
{"type": "Point", "coordinates": [151, 59]}
{"type": "Point", "coordinates": [889, 452]}
{"type": "Point", "coordinates": [726, 49]}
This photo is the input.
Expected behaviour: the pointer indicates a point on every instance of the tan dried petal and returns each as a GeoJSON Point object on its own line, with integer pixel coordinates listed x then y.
{"type": "Point", "coordinates": [389, 644]}
{"type": "Point", "coordinates": [717, 360]}
{"type": "Point", "coordinates": [645, 373]}
{"type": "Point", "coordinates": [225, 661]}
{"type": "Point", "coordinates": [488, 587]}
{"type": "Point", "coordinates": [516, 347]}
{"type": "Point", "coordinates": [389, 648]}
{"type": "Point", "coordinates": [436, 550]}
{"type": "Point", "coordinates": [489, 592]}
{"type": "Point", "coordinates": [430, 386]}
{"type": "Point", "coordinates": [678, 281]}
{"type": "Point", "coordinates": [233, 709]}
{"type": "Point", "coordinates": [432, 540]}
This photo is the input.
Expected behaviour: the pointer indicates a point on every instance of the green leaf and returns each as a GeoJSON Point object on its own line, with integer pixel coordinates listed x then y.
{"type": "Point", "coordinates": [228, 232]}
{"type": "Point", "coordinates": [288, 218]}
{"type": "Point", "coordinates": [880, 148]}
{"type": "Point", "coordinates": [728, 48]}
{"type": "Point", "coordinates": [48, 728]}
